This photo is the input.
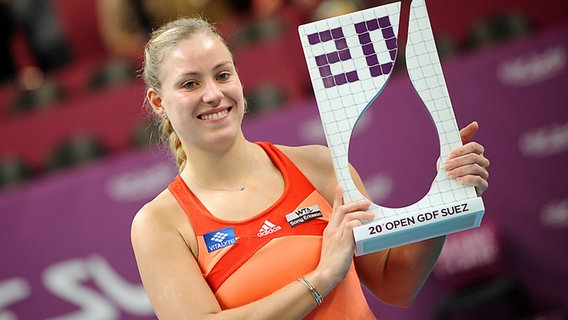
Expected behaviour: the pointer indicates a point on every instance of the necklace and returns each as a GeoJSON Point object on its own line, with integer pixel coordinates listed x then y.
{"type": "Point", "coordinates": [241, 186]}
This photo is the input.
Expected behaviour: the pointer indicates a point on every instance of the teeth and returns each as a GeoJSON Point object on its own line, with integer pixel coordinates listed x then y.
{"type": "Point", "coordinates": [214, 115]}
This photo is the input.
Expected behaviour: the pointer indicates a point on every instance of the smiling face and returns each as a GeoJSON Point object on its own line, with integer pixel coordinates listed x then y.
{"type": "Point", "coordinates": [200, 92]}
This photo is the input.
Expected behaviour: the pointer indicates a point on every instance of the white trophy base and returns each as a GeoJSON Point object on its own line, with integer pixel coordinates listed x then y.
{"type": "Point", "coordinates": [415, 226]}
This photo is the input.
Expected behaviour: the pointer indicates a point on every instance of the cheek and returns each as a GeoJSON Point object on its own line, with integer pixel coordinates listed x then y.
{"type": "Point", "coordinates": [180, 115]}
{"type": "Point", "coordinates": [237, 93]}
{"type": "Point", "coordinates": [180, 103]}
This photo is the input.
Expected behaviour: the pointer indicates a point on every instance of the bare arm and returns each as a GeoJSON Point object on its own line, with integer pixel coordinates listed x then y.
{"type": "Point", "coordinates": [396, 275]}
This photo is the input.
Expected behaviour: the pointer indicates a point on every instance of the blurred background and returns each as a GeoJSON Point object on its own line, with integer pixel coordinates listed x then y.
{"type": "Point", "coordinates": [79, 156]}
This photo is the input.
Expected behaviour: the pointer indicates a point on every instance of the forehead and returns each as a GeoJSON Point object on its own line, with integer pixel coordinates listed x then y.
{"type": "Point", "coordinates": [197, 50]}
{"type": "Point", "coordinates": [198, 54]}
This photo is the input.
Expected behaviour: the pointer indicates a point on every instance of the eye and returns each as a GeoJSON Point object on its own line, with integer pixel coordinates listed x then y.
{"type": "Point", "coordinates": [189, 84]}
{"type": "Point", "coordinates": [223, 76]}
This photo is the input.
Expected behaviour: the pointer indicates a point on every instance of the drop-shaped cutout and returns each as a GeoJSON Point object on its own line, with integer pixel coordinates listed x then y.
{"type": "Point", "coordinates": [395, 147]}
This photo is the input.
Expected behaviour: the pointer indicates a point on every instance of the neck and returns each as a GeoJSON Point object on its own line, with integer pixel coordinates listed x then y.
{"type": "Point", "coordinates": [222, 171]}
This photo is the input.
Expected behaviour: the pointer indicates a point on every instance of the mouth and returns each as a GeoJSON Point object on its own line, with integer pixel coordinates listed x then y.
{"type": "Point", "coordinates": [216, 115]}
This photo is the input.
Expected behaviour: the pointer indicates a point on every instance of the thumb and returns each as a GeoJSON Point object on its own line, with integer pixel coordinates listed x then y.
{"type": "Point", "coordinates": [469, 132]}
{"type": "Point", "coordinates": [338, 197]}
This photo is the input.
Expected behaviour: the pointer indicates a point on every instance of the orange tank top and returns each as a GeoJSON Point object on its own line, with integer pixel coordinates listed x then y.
{"type": "Point", "coordinates": [244, 261]}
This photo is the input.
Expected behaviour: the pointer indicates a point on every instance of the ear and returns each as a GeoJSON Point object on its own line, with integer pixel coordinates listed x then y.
{"type": "Point", "coordinates": [155, 101]}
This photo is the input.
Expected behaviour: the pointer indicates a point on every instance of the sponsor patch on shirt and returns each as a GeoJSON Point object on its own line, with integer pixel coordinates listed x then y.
{"type": "Point", "coordinates": [303, 215]}
{"type": "Point", "coordinates": [267, 228]}
{"type": "Point", "coordinates": [218, 239]}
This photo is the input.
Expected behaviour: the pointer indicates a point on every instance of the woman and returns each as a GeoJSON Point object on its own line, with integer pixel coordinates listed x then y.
{"type": "Point", "coordinates": [219, 243]}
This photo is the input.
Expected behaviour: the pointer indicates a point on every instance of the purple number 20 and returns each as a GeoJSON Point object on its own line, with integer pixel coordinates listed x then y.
{"type": "Point", "coordinates": [342, 53]}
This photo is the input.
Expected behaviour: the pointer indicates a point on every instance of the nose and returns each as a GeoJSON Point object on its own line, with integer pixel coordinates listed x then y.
{"type": "Point", "coordinates": [212, 93]}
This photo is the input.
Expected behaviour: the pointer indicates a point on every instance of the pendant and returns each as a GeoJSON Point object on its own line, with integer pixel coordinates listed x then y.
{"type": "Point", "coordinates": [241, 187]}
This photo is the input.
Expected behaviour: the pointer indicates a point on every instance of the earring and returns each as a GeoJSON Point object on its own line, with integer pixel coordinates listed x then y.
{"type": "Point", "coordinates": [164, 116]}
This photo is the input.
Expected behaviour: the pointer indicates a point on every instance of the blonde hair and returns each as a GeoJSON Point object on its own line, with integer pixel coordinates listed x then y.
{"type": "Point", "coordinates": [161, 41]}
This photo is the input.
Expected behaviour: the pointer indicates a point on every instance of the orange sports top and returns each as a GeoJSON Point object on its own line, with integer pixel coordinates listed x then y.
{"type": "Point", "coordinates": [244, 261]}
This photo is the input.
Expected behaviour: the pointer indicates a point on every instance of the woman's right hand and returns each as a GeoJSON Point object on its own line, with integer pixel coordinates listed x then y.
{"type": "Point", "coordinates": [338, 242]}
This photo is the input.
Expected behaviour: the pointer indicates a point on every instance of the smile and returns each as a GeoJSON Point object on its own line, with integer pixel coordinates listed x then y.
{"type": "Point", "coordinates": [214, 116]}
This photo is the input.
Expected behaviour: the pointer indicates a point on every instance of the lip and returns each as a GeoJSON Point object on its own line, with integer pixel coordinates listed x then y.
{"type": "Point", "coordinates": [214, 114]}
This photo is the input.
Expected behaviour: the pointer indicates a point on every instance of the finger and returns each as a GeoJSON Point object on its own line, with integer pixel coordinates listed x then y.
{"type": "Point", "coordinates": [358, 217]}
{"type": "Point", "coordinates": [469, 170]}
{"type": "Point", "coordinates": [344, 228]}
{"type": "Point", "coordinates": [336, 215]}
{"type": "Point", "coordinates": [465, 160]}
{"type": "Point", "coordinates": [351, 211]}
{"type": "Point", "coordinates": [338, 196]}
{"type": "Point", "coordinates": [478, 182]}
{"type": "Point", "coordinates": [335, 218]}
{"type": "Point", "coordinates": [338, 202]}
{"type": "Point", "coordinates": [480, 189]}
{"type": "Point", "coordinates": [348, 211]}
{"type": "Point", "coordinates": [471, 147]}
{"type": "Point", "coordinates": [468, 132]}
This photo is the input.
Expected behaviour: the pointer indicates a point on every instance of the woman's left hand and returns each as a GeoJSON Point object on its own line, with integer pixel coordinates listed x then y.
{"type": "Point", "coordinates": [468, 164]}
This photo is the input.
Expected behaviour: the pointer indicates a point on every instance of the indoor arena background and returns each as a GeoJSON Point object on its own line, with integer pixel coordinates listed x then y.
{"type": "Point", "coordinates": [79, 157]}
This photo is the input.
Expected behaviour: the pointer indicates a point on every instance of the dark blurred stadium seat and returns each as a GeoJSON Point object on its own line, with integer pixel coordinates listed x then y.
{"type": "Point", "coordinates": [471, 269]}
{"type": "Point", "coordinates": [497, 29]}
{"type": "Point", "coordinates": [13, 171]}
{"type": "Point", "coordinates": [77, 150]}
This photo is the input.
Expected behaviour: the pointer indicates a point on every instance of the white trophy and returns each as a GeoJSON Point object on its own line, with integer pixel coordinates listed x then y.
{"type": "Point", "coordinates": [350, 59]}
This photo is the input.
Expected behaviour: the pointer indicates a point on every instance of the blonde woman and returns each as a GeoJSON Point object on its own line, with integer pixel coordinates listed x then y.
{"type": "Point", "coordinates": [221, 241]}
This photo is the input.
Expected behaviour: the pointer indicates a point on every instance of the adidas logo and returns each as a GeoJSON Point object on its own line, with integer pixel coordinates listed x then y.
{"type": "Point", "coordinates": [268, 228]}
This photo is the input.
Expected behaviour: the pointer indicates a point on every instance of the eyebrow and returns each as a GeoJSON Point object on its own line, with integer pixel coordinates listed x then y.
{"type": "Point", "coordinates": [217, 66]}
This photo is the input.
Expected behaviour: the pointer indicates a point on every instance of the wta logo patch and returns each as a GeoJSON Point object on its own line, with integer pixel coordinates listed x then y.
{"type": "Point", "coordinates": [218, 239]}
{"type": "Point", "coordinates": [303, 215]}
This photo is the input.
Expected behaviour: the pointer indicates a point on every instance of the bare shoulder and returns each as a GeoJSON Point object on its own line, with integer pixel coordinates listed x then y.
{"type": "Point", "coordinates": [159, 217]}
{"type": "Point", "coordinates": [156, 211]}
{"type": "Point", "coordinates": [315, 162]}
{"type": "Point", "coordinates": [161, 236]}
{"type": "Point", "coordinates": [309, 157]}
